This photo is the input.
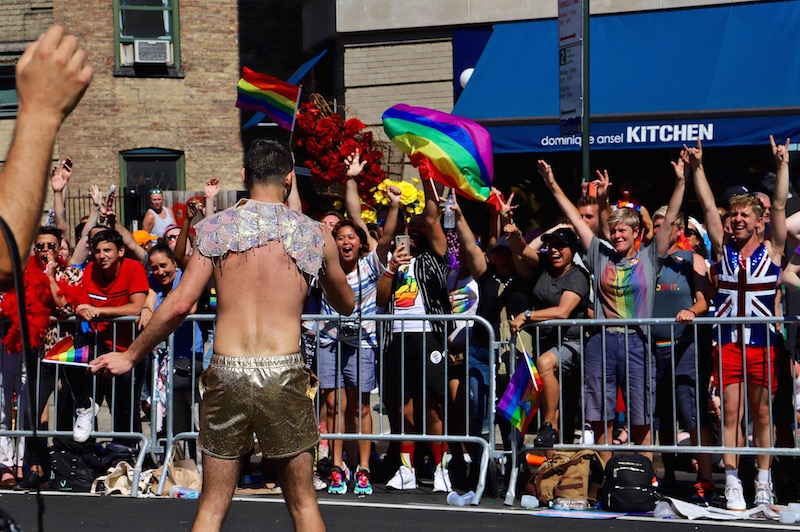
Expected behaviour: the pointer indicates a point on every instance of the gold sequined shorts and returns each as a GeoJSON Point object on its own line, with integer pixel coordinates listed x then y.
{"type": "Point", "coordinates": [271, 396]}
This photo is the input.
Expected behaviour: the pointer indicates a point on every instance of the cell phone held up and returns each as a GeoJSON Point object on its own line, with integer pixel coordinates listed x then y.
{"type": "Point", "coordinates": [401, 240]}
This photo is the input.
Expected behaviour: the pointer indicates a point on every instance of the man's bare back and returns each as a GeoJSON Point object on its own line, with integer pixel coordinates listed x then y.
{"type": "Point", "coordinates": [260, 296]}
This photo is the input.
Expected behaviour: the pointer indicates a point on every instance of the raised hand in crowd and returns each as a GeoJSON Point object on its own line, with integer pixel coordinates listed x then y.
{"type": "Point", "coordinates": [51, 77]}
{"type": "Point", "coordinates": [59, 178]}
{"type": "Point", "coordinates": [354, 164]}
{"type": "Point", "coordinates": [603, 185]}
{"type": "Point", "coordinates": [211, 190]}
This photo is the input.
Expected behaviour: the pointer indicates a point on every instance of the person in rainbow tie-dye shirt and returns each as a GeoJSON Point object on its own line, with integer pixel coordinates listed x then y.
{"type": "Point", "coordinates": [624, 284]}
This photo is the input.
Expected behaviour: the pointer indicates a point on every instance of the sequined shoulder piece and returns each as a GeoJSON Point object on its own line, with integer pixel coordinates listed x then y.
{"type": "Point", "coordinates": [251, 224]}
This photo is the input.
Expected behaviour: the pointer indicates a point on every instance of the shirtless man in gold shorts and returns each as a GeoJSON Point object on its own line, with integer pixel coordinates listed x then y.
{"type": "Point", "coordinates": [263, 257]}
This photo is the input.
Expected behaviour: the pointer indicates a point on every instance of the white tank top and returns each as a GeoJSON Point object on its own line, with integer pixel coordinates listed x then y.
{"type": "Point", "coordinates": [161, 224]}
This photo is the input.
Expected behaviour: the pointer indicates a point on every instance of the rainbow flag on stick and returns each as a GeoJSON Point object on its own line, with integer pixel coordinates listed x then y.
{"type": "Point", "coordinates": [521, 399]}
{"type": "Point", "coordinates": [269, 95]}
{"type": "Point", "coordinates": [459, 149]}
{"type": "Point", "coordinates": [69, 351]}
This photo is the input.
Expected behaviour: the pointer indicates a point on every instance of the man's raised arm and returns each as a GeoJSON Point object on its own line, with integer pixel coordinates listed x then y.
{"type": "Point", "coordinates": [777, 213]}
{"type": "Point", "coordinates": [334, 281]}
{"type": "Point", "coordinates": [51, 77]}
{"type": "Point", "coordinates": [166, 319]}
{"type": "Point", "coordinates": [702, 190]}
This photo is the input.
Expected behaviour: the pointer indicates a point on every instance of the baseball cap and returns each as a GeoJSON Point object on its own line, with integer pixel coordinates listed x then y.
{"type": "Point", "coordinates": [142, 237]}
{"type": "Point", "coordinates": [562, 235]}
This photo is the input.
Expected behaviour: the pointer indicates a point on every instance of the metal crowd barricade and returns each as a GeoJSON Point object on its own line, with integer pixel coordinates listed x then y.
{"type": "Point", "coordinates": [626, 327]}
{"type": "Point", "coordinates": [487, 445]}
{"type": "Point", "coordinates": [72, 326]}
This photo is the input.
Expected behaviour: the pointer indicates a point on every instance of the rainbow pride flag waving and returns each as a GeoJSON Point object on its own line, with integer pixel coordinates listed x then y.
{"type": "Point", "coordinates": [521, 398]}
{"type": "Point", "coordinates": [459, 149]}
{"type": "Point", "coordinates": [269, 95]}
{"type": "Point", "coordinates": [69, 350]}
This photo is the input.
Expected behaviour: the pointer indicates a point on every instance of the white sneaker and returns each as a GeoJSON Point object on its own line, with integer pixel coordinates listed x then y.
{"type": "Point", "coordinates": [763, 493]}
{"type": "Point", "coordinates": [319, 485]}
{"type": "Point", "coordinates": [84, 418]}
{"type": "Point", "coordinates": [587, 437]}
{"type": "Point", "coordinates": [441, 480]}
{"type": "Point", "coordinates": [404, 479]}
{"type": "Point", "coordinates": [734, 497]}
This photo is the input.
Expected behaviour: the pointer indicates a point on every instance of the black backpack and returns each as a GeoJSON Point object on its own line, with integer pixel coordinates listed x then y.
{"type": "Point", "coordinates": [628, 485]}
{"type": "Point", "coordinates": [73, 466]}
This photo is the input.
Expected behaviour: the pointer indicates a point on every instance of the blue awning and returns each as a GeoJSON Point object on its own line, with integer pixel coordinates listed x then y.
{"type": "Point", "coordinates": [730, 75]}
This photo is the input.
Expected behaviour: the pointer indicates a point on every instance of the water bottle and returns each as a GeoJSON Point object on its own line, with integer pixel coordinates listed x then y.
{"type": "Point", "coordinates": [449, 213]}
{"type": "Point", "coordinates": [529, 501]}
{"type": "Point", "coordinates": [570, 504]}
{"type": "Point", "coordinates": [454, 499]}
{"type": "Point", "coordinates": [179, 492]}
{"type": "Point", "coordinates": [787, 517]}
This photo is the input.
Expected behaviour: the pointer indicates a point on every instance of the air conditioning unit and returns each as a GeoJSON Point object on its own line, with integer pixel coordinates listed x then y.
{"type": "Point", "coordinates": [152, 52]}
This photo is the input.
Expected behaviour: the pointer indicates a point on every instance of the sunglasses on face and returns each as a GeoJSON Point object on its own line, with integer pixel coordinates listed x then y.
{"type": "Point", "coordinates": [40, 246]}
{"type": "Point", "coordinates": [690, 232]}
{"type": "Point", "coordinates": [556, 245]}
{"type": "Point", "coordinates": [170, 238]}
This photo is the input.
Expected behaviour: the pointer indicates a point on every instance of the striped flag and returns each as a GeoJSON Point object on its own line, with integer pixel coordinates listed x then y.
{"type": "Point", "coordinates": [69, 351]}
{"type": "Point", "coordinates": [269, 95]}
{"type": "Point", "coordinates": [521, 398]}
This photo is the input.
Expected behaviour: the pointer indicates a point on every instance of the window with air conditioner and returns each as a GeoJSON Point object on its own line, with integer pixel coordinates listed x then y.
{"type": "Point", "coordinates": [147, 37]}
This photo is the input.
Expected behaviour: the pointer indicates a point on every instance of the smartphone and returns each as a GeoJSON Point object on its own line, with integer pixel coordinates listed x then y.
{"type": "Point", "coordinates": [401, 240]}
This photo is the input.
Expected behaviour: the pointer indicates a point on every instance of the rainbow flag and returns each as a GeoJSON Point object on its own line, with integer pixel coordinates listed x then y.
{"type": "Point", "coordinates": [269, 95]}
{"type": "Point", "coordinates": [67, 352]}
{"type": "Point", "coordinates": [521, 398]}
{"type": "Point", "coordinates": [459, 149]}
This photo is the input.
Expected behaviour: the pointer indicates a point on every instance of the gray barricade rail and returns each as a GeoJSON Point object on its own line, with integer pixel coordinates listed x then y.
{"type": "Point", "coordinates": [161, 446]}
{"type": "Point", "coordinates": [705, 335]}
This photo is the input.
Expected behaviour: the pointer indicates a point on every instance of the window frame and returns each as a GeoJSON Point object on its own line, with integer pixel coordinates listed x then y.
{"type": "Point", "coordinates": [143, 154]}
{"type": "Point", "coordinates": [10, 60]}
{"type": "Point", "coordinates": [139, 70]}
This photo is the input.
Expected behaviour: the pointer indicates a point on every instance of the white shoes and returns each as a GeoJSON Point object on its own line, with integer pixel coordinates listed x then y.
{"type": "Point", "coordinates": [404, 479]}
{"type": "Point", "coordinates": [84, 422]}
{"type": "Point", "coordinates": [734, 497]}
{"type": "Point", "coordinates": [763, 493]}
{"type": "Point", "coordinates": [441, 480]}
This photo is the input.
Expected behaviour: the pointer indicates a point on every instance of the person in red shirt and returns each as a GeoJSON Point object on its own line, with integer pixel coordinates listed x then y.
{"type": "Point", "coordinates": [117, 286]}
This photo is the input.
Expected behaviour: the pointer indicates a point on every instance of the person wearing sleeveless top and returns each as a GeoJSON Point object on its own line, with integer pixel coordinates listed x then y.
{"type": "Point", "coordinates": [746, 280]}
{"type": "Point", "coordinates": [158, 217]}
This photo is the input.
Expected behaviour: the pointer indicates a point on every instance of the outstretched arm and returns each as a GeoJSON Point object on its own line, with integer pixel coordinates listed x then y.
{"type": "Point", "coordinates": [166, 319]}
{"type": "Point", "coordinates": [334, 281]}
{"type": "Point", "coordinates": [474, 258]}
{"type": "Point", "coordinates": [777, 213]}
{"type": "Point", "coordinates": [81, 250]}
{"type": "Point", "coordinates": [51, 77]}
{"type": "Point", "coordinates": [567, 207]}
{"type": "Point", "coordinates": [352, 201]}
{"type": "Point", "coordinates": [436, 237]}
{"type": "Point", "coordinates": [711, 217]}
{"type": "Point", "coordinates": [181, 257]}
{"type": "Point", "coordinates": [59, 178]}
{"type": "Point", "coordinates": [673, 208]}
{"type": "Point", "coordinates": [212, 189]}
{"type": "Point", "coordinates": [603, 184]}
{"type": "Point", "coordinates": [390, 227]}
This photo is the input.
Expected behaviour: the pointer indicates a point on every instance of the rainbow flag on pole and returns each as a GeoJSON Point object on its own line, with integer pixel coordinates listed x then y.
{"type": "Point", "coordinates": [269, 95]}
{"type": "Point", "coordinates": [459, 149]}
{"type": "Point", "coordinates": [521, 398]}
{"type": "Point", "coordinates": [67, 352]}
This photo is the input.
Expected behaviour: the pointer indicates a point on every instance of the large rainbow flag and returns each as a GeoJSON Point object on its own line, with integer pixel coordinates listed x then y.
{"type": "Point", "coordinates": [269, 95]}
{"type": "Point", "coordinates": [67, 352]}
{"type": "Point", "coordinates": [521, 398]}
{"type": "Point", "coordinates": [459, 149]}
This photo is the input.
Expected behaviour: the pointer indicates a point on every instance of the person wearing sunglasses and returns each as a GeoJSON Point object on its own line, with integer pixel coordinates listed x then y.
{"type": "Point", "coordinates": [158, 217]}
{"type": "Point", "coordinates": [561, 292]}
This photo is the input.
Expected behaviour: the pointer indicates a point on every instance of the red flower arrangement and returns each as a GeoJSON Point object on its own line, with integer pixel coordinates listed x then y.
{"type": "Point", "coordinates": [323, 141]}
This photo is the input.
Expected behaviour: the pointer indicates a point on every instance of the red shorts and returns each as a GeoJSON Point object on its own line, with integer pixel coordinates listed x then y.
{"type": "Point", "coordinates": [759, 370]}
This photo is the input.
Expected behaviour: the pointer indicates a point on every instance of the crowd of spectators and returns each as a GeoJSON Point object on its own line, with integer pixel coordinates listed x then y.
{"type": "Point", "coordinates": [601, 260]}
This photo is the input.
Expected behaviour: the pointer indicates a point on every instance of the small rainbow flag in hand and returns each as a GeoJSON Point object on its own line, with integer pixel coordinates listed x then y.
{"type": "Point", "coordinates": [521, 398]}
{"type": "Point", "coordinates": [459, 149]}
{"type": "Point", "coordinates": [269, 95]}
{"type": "Point", "coordinates": [70, 351]}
